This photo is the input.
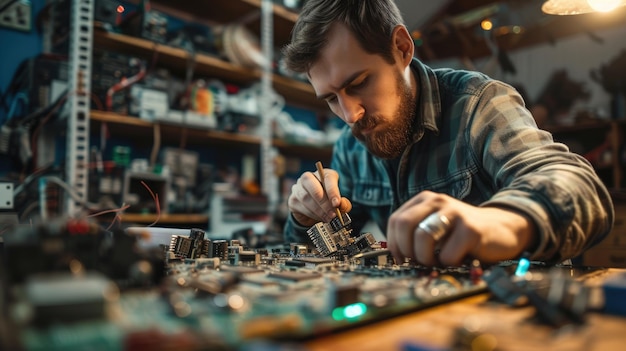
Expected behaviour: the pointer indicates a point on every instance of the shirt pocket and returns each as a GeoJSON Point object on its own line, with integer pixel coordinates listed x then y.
{"type": "Point", "coordinates": [372, 194]}
{"type": "Point", "coordinates": [458, 185]}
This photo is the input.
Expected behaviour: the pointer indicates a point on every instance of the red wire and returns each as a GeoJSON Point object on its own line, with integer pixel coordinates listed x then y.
{"type": "Point", "coordinates": [117, 217]}
{"type": "Point", "coordinates": [155, 197]}
{"type": "Point", "coordinates": [122, 84]}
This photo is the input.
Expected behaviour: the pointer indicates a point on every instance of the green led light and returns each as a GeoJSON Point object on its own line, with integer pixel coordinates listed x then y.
{"type": "Point", "coordinates": [338, 313]}
{"type": "Point", "coordinates": [352, 311]}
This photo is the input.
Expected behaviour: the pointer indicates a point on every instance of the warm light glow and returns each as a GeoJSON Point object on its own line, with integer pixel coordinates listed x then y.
{"type": "Point", "coordinates": [486, 24]}
{"type": "Point", "coordinates": [236, 301]}
{"type": "Point", "coordinates": [120, 9]}
{"type": "Point", "coordinates": [604, 5]}
{"type": "Point", "coordinates": [577, 7]}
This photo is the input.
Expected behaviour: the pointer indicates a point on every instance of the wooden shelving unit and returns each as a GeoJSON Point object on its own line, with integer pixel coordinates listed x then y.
{"type": "Point", "coordinates": [127, 126]}
{"type": "Point", "coordinates": [134, 126]}
{"type": "Point", "coordinates": [229, 11]}
{"type": "Point", "coordinates": [294, 91]}
{"type": "Point", "coordinates": [178, 60]}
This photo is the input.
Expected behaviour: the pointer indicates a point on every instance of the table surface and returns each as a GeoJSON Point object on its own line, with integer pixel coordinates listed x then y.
{"type": "Point", "coordinates": [511, 328]}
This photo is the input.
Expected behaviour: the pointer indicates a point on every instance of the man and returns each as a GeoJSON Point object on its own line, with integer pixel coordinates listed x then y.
{"type": "Point", "coordinates": [450, 164]}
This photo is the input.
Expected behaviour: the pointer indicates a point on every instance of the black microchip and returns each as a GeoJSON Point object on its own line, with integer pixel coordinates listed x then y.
{"type": "Point", "coordinates": [315, 260]}
{"type": "Point", "coordinates": [295, 276]}
{"type": "Point", "coordinates": [240, 269]}
{"type": "Point", "coordinates": [295, 263]}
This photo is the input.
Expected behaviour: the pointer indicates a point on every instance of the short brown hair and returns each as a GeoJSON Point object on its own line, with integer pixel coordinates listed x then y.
{"type": "Point", "coordinates": [371, 21]}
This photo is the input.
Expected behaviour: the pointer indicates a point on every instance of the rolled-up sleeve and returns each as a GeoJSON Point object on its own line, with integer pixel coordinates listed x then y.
{"type": "Point", "coordinates": [558, 189]}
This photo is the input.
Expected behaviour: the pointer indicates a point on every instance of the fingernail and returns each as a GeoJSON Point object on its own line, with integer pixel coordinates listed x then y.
{"type": "Point", "coordinates": [335, 202]}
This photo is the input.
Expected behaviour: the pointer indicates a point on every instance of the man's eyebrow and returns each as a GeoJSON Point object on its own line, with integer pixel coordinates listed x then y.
{"type": "Point", "coordinates": [345, 83]}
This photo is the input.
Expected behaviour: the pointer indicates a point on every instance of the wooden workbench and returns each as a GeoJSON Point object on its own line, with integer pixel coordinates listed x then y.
{"type": "Point", "coordinates": [510, 328]}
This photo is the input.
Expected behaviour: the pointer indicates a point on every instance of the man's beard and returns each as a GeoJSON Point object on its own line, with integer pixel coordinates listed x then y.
{"type": "Point", "coordinates": [389, 142]}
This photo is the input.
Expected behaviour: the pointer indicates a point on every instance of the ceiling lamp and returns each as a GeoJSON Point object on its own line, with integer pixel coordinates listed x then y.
{"type": "Point", "coordinates": [577, 7]}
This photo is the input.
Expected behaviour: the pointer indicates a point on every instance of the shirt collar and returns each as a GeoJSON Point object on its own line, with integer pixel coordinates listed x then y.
{"type": "Point", "coordinates": [428, 102]}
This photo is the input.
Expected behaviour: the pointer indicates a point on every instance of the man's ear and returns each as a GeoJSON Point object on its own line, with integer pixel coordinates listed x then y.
{"type": "Point", "coordinates": [403, 45]}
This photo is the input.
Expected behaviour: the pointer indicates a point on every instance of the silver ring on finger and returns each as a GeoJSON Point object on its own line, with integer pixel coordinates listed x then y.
{"type": "Point", "coordinates": [436, 225]}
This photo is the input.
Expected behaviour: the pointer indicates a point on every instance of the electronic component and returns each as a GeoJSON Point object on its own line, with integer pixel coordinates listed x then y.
{"type": "Point", "coordinates": [193, 246]}
{"type": "Point", "coordinates": [64, 297]}
{"type": "Point", "coordinates": [42, 79]}
{"type": "Point", "coordinates": [295, 276]}
{"type": "Point", "coordinates": [139, 197]}
{"type": "Point", "coordinates": [335, 237]}
{"type": "Point", "coordinates": [194, 38]}
{"type": "Point", "coordinates": [216, 288]}
{"type": "Point", "coordinates": [109, 69]}
{"type": "Point", "coordinates": [232, 213]}
{"type": "Point", "coordinates": [247, 258]}
{"type": "Point", "coordinates": [558, 298]}
{"type": "Point", "coordinates": [57, 27]}
{"type": "Point", "coordinates": [107, 13]}
{"type": "Point", "coordinates": [183, 169]}
{"type": "Point", "coordinates": [6, 196]}
{"type": "Point", "coordinates": [330, 238]}
{"type": "Point", "coordinates": [147, 24]}
{"type": "Point", "coordinates": [522, 267]}
{"type": "Point", "coordinates": [16, 15]}
{"type": "Point", "coordinates": [219, 249]}
{"type": "Point", "coordinates": [70, 245]}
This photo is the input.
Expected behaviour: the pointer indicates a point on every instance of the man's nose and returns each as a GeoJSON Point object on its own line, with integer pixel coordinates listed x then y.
{"type": "Point", "coordinates": [352, 110]}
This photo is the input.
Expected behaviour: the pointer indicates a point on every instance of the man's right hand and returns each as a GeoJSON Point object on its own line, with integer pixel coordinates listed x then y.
{"type": "Point", "coordinates": [310, 205]}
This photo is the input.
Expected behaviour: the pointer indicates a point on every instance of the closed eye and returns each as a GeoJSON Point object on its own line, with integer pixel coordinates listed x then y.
{"type": "Point", "coordinates": [351, 89]}
{"type": "Point", "coordinates": [355, 86]}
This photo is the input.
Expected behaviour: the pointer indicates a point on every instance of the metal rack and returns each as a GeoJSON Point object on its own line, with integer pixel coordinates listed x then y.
{"type": "Point", "coordinates": [269, 184]}
{"type": "Point", "coordinates": [80, 62]}
{"type": "Point", "coordinates": [77, 153]}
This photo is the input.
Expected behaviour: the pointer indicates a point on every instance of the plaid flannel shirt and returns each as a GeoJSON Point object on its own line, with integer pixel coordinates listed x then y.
{"type": "Point", "coordinates": [476, 142]}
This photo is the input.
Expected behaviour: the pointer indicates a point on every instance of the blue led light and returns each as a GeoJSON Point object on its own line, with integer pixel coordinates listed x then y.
{"type": "Point", "coordinates": [522, 267]}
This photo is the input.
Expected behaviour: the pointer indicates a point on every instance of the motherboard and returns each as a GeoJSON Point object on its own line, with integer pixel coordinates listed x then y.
{"type": "Point", "coordinates": [73, 286]}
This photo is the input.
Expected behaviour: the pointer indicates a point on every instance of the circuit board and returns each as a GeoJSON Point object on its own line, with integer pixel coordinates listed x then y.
{"type": "Point", "coordinates": [218, 294]}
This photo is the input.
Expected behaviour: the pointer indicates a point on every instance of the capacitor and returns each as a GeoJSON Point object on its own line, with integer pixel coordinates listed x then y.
{"type": "Point", "coordinates": [476, 272]}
